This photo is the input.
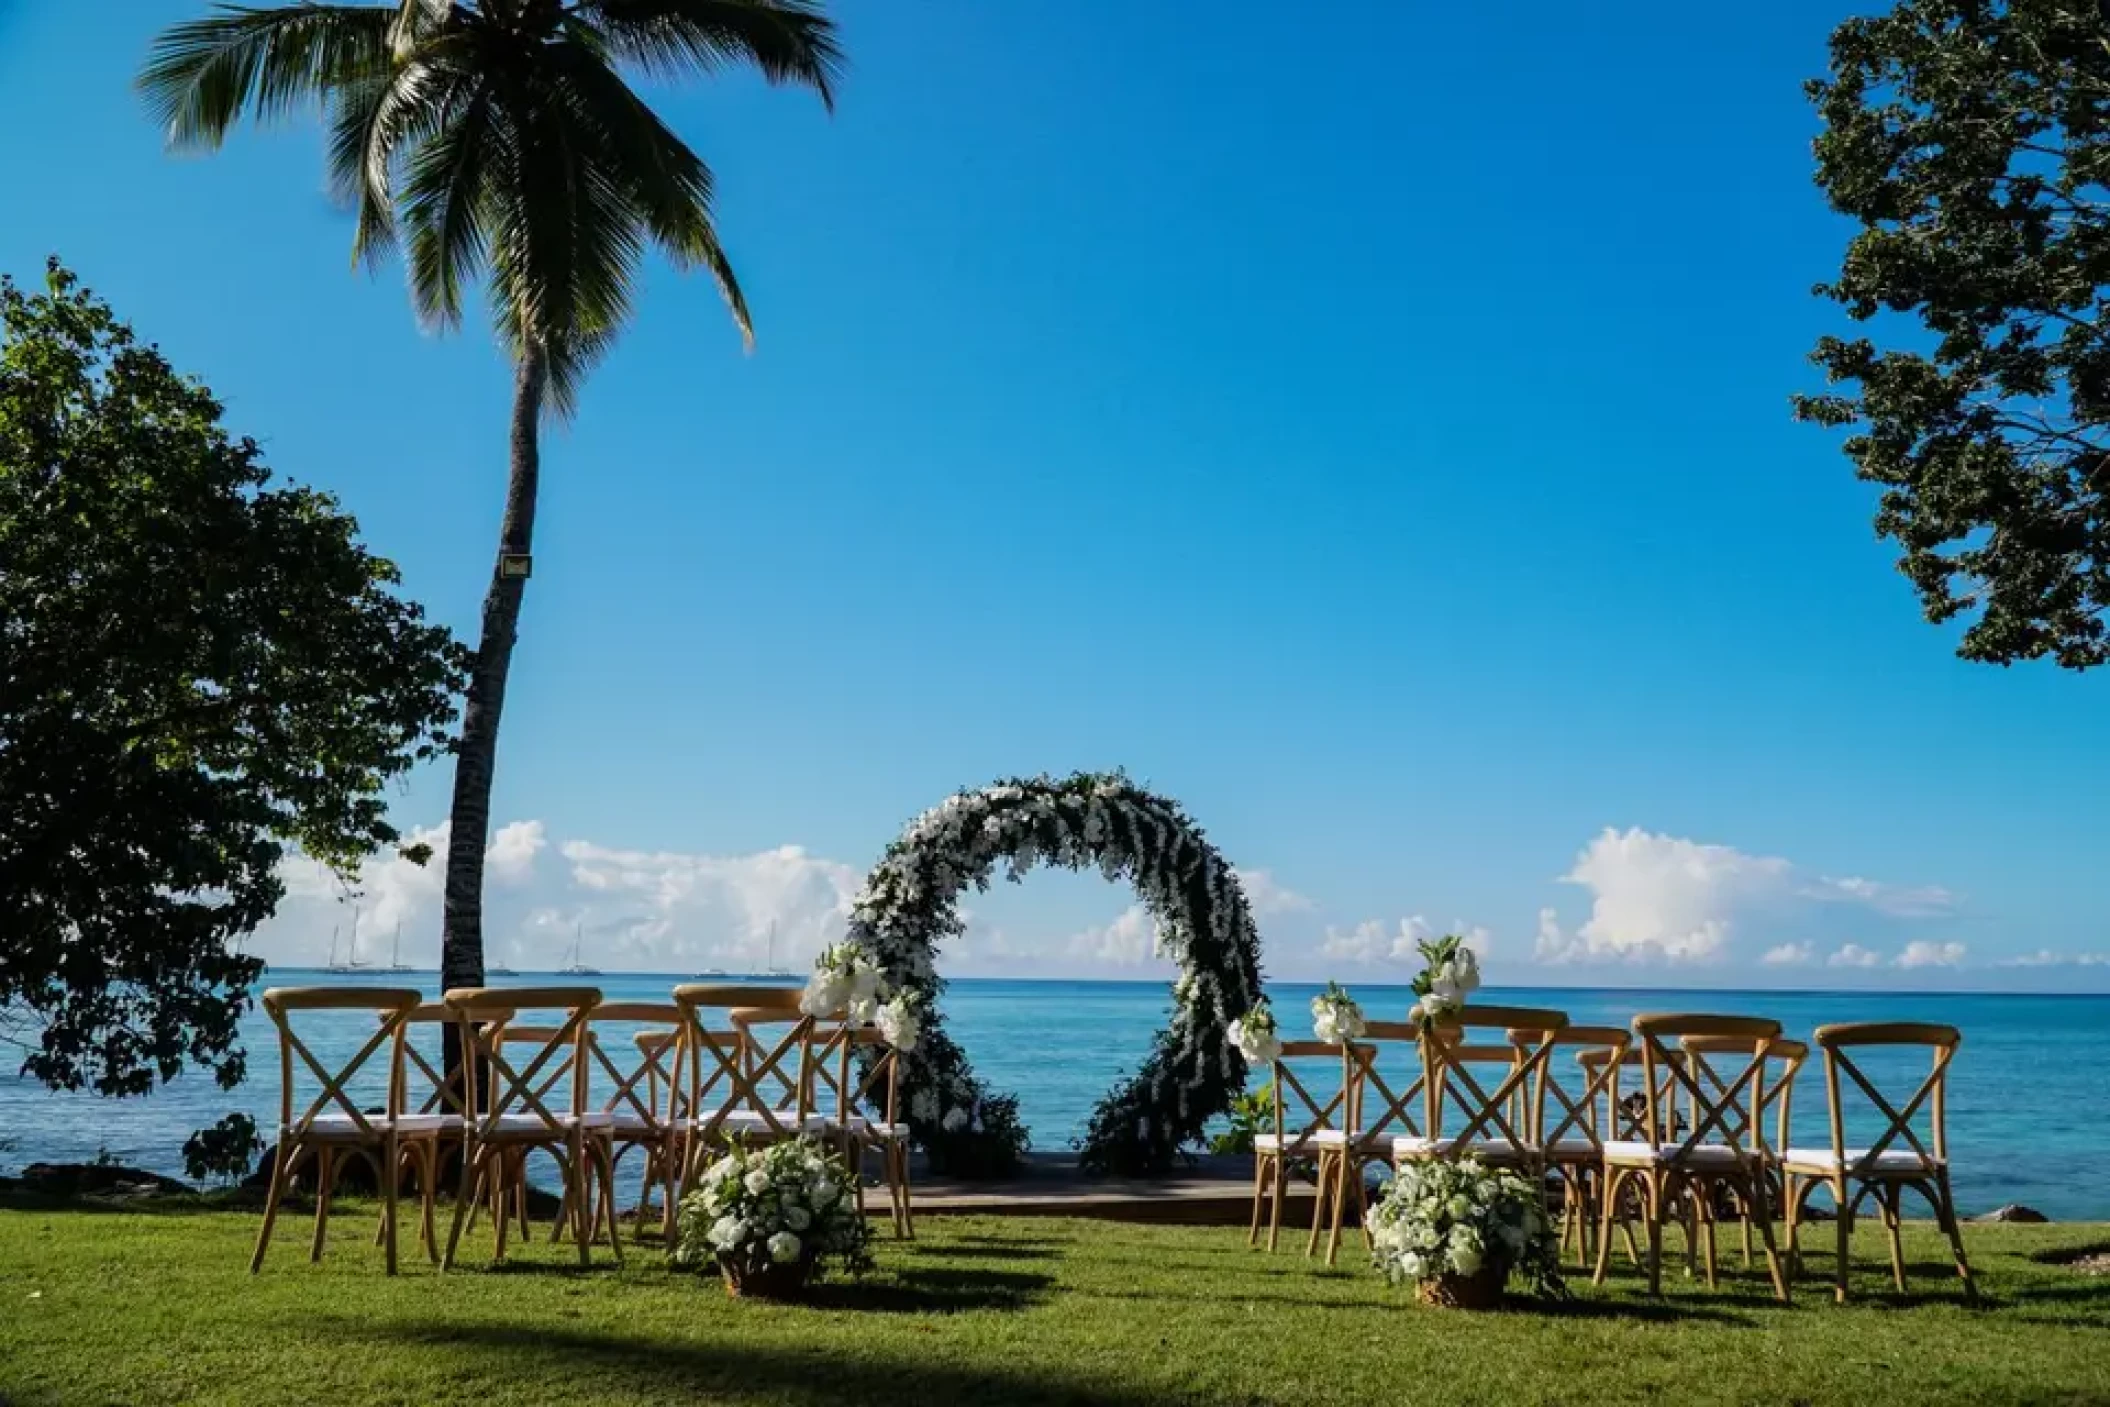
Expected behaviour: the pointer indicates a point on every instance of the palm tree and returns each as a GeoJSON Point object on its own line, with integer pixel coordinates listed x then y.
{"type": "Point", "coordinates": [498, 139]}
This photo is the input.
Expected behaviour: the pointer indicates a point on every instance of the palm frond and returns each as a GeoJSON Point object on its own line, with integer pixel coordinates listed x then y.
{"type": "Point", "coordinates": [201, 76]}
{"type": "Point", "coordinates": [446, 193]}
{"type": "Point", "coordinates": [668, 183]}
{"type": "Point", "coordinates": [789, 41]}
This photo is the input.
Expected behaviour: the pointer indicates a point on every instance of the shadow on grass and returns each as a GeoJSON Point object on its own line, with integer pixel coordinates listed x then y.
{"type": "Point", "coordinates": [935, 1290]}
{"type": "Point", "coordinates": [1007, 1251]}
{"type": "Point", "coordinates": [661, 1369]}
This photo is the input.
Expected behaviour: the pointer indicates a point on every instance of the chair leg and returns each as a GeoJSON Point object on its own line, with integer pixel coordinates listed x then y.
{"type": "Point", "coordinates": [578, 1177]}
{"type": "Point", "coordinates": [1845, 1226]}
{"type": "Point", "coordinates": [1946, 1203]}
{"type": "Point", "coordinates": [615, 1227]}
{"type": "Point", "coordinates": [1756, 1210]}
{"type": "Point", "coordinates": [428, 1193]}
{"type": "Point", "coordinates": [502, 1204]}
{"type": "Point", "coordinates": [1792, 1213]}
{"type": "Point", "coordinates": [1278, 1168]}
{"type": "Point", "coordinates": [1891, 1220]}
{"type": "Point", "coordinates": [908, 1200]}
{"type": "Point", "coordinates": [325, 1179]}
{"type": "Point", "coordinates": [1318, 1202]}
{"type": "Point", "coordinates": [1342, 1171]}
{"type": "Point", "coordinates": [1252, 1238]}
{"type": "Point", "coordinates": [1703, 1212]}
{"type": "Point", "coordinates": [465, 1200]}
{"type": "Point", "coordinates": [281, 1174]}
{"type": "Point", "coordinates": [1609, 1195]}
{"type": "Point", "coordinates": [1655, 1196]}
{"type": "Point", "coordinates": [391, 1165]}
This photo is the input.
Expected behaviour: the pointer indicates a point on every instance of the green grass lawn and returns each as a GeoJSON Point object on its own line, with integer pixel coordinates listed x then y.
{"type": "Point", "coordinates": [144, 1307]}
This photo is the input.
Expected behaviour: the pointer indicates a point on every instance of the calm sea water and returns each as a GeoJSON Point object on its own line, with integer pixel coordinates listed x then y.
{"type": "Point", "coordinates": [2029, 1115]}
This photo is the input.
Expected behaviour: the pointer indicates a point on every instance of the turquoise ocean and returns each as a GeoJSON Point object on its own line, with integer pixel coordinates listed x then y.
{"type": "Point", "coordinates": [2029, 1108]}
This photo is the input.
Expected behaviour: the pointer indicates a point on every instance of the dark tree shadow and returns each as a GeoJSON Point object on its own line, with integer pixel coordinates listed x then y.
{"type": "Point", "coordinates": [935, 1290]}
{"type": "Point", "coordinates": [660, 1369]}
{"type": "Point", "coordinates": [1019, 1251]}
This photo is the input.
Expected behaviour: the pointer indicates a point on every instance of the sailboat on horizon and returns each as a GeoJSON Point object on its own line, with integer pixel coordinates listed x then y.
{"type": "Point", "coordinates": [772, 970]}
{"type": "Point", "coordinates": [395, 957]}
{"type": "Point", "coordinates": [351, 962]}
{"type": "Point", "coordinates": [576, 968]}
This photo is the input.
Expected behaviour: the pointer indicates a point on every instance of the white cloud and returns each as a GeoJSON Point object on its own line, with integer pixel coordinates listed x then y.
{"type": "Point", "coordinates": [1922, 953]}
{"type": "Point", "coordinates": [675, 911]}
{"type": "Point", "coordinates": [1853, 955]}
{"type": "Point", "coordinates": [1265, 895]}
{"type": "Point", "coordinates": [1127, 941]}
{"type": "Point", "coordinates": [1373, 941]}
{"type": "Point", "coordinates": [1657, 897]}
{"type": "Point", "coordinates": [511, 856]}
{"type": "Point", "coordinates": [1789, 955]}
{"type": "Point", "coordinates": [2045, 957]}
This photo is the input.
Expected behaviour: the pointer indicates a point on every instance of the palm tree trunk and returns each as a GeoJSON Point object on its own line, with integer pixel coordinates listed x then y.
{"type": "Point", "coordinates": [462, 932]}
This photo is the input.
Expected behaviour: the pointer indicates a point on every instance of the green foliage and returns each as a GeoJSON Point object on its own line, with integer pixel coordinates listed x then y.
{"type": "Point", "coordinates": [1971, 141]}
{"type": "Point", "coordinates": [1251, 1113]}
{"type": "Point", "coordinates": [197, 668]}
{"type": "Point", "coordinates": [157, 1306]}
{"type": "Point", "coordinates": [498, 139]}
{"type": "Point", "coordinates": [1457, 1218]}
{"type": "Point", "coordinates": [224, 1152]}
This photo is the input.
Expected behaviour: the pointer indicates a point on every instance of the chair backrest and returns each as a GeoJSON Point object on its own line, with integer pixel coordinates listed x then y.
{"type": "Point", "coordinates": [632, 1068]}
{"type": "Point", "coordinates": [1379, 1110]}
{"type": "Point", "coordinates": [1582, 1113]}
{"type": "Point", "coordinates": [1629, 1112]}
{"type": "Point", "coordinates": [1772, 1089]}
{"type": "Point", "coordinates": [755, 1060]}
{"type": "Point", "coordinates": [287, 1005]}
{"type": "Point", "coordinates": [1506, 1111]}
{"type": "Point", "coordinates": [443, 1091]}
{"type": "Point", "coordinates": [1841, 1043]}
{"type": "Point", "coordinates": [664, 1055]}
{"type": "Point", "coordinates": [501, 1086]}
{"type": "Point", "coordinates": [1296, 1112]}
{"type": "Point", "coordinates": [870, 1087]}
{"type": "Point", "coordinates": [1742, 1044]}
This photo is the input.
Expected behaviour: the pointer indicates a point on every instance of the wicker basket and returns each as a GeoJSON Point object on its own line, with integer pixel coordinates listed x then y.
{"type": "Point", "coordinates": [1480, 1290]}
{"type": "Point", "coordinates": [771, 1282]}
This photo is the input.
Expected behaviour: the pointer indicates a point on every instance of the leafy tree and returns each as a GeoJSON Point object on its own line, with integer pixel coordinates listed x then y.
{"type": "Point", "coordinates": [197, 668]}
{"type": "Point", "coordinates": [498, 139]}
{"type": "Point", "coordinates": [1971, 140]}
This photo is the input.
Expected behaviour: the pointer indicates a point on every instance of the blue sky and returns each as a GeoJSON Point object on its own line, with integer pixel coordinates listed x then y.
{"type": "Point", "coordinates": [1374, 435]}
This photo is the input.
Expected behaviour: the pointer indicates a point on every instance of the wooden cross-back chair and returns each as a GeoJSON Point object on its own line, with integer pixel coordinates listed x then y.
{"type": "Point", "coordinates": [1581, 1107]}
{"type": "Point", "coordinates": [1377, 1115]}
{"type": "Point", "coordinates": [1299, 1126]}
{"type": "Point", "coordinates": [515, 1108]}
{"type": "Point", "coordinates": [1721, 1148]}
{"type": "Point", "coordinates": [332, 1124]}
{"type": "Point", "coordinates": [1768, 1099]}
{"type": "Point", "coordinates": [422, 1090]}
{"type": "Point", "coordinates": [637, 1117]}
{"type": "Point", "coordinates": [740, 1071]}
{"type": "Point", "coordinates": [863, 1074]}
{"type": "Point", "coordinates": [1897, 1158]}
{"type": "Point", "coordinates": [1499, 1125]}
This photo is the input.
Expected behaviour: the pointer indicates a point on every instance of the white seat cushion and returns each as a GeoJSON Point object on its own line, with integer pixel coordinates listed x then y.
{"type": "Point", "coordinates": [1493, 1149]}
{"type": "Point", "coordinates": [1890, 1160]}
{"type": "Point", "coordinates": [341, 1125]}
{"type": "Point", "coordinates": [856, 1124]}
{"type": "Point", "coordinates": [519, 1125]}
{"type": "Point", "coordinates": [1568, 1150]}
{"type": "Point", "coordinates": [1295, 1142]}
{"type": "Point", "coordinates": [752, 1121]}
{"type": "Point", "coordinates": [630, 1122]}
{"type": "Point", "coordinates": [1634, 1153]}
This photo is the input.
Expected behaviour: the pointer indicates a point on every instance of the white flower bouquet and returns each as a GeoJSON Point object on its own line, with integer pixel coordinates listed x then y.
{"type": "Point", "coordinates": [1254, 1035]}
{"type": "Point", "coordinates": [1458, 1230]}
{"type": "Point", "coordinates": [1450, 974]}
{"type": "Point", "coordinates": [774, 1218]}
{"type": "Point", "coordinates": [844, 979]}
{"type": "Point", "coordinates": [1335, 1016]}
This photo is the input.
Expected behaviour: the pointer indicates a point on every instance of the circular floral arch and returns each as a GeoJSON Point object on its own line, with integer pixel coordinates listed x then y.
{"type": "Point", "coordinates": [1101, 821]}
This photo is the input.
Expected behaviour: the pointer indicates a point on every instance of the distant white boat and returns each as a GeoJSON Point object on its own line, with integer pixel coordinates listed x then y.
{"type": "Point", "coordinates": [351, 963]}
{"type": "Point", "coordinates": [395, 957]}
{"type": "Point", "coordinates": [772, 970]}
{"type": "Point", "coordinates": [500, 972]}
{"type": "Point", "coordinates": [575, 968]}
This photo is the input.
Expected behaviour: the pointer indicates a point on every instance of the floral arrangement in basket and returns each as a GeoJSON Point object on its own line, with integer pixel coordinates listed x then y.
{"type": "Point", "coordinates": [1336, 1016]}
{"type": "Point", "coordinates": [1457, 1231]}
{"type": "Point", "coordinates": [1450, 973]}
{"type": "Point", "coordinates": [1254, 1035]}
{"type": "Point", "coordinates": [845, 979]}
{"type": "Point", "coordinates": [774, 1219]}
